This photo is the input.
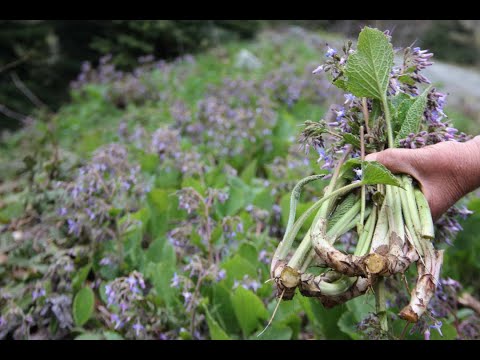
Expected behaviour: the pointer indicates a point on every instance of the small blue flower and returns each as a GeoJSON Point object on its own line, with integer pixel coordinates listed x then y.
{"type": "Point", "coordinates": [175, 281]}
{"type": "Point", "coordinates": [114, 318]}
{"type": "Point", "coordinates": [330, 52]}
{"type": "Point", "coordinates": [221, 275]}
{"type": "Point", "coordinates": [62, 211]}
{"type": "Point", "coordinates": [187, 296]}
{"type": "Point", "coordinates": [318, 69]}
{"type": "Point", "coordinates": [340, 114]}
{"type": "Point", "coordinates": [349, 98]}
{"type": "Point", "coordinates": [438, 326]}
{"type": "Point", "coordinates": [37, 293]}
{"type": "Point", "coordinates": [138, 328]}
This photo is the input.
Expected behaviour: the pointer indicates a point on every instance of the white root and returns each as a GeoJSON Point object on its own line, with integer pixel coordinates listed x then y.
{"type": "Point", "coordinates": [425, 288]}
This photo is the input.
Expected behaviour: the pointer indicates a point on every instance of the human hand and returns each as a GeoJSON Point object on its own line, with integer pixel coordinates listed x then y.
{"type": "Point", "coordinates": [446, 171]}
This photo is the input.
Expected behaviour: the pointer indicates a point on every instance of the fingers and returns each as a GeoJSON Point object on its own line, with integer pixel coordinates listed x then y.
{"type": "Point", "coordinates": [397, 160]}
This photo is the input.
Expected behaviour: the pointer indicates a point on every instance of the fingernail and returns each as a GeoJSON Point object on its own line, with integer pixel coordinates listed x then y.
{"type": "Point", "coordinates": [371, 157]}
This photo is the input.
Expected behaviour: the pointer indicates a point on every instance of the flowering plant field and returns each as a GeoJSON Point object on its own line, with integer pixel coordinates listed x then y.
{"type": "Point", "coordinates": [150, 207]}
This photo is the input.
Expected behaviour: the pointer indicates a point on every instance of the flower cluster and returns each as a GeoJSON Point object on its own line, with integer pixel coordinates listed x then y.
{"type": "Point", "coordinates": [107, 185]}
{"type": "Point", "coordinates": [130, 313]}
{"type": "Point", "coordinates": [230, 116]}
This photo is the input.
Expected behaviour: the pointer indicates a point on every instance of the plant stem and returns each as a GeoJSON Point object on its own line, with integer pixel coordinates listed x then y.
{"type": "Point", "coordinates": [380, 303]}
{"type": "Point", "coordinates": [427, 230]}
{"type": "Point", "coordinates": [363, 195]}
{"type": "Point", "coordinates": [388, 120]}
{"type": "Point", "coordinates": [294, 198]}
{"type": "Point", "coordinates": [290, 237]}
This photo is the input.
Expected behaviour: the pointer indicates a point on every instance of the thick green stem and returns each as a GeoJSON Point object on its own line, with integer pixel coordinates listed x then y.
{"type": "Point", "coordinates": [365, 239]}
{"type": "Point", "coordinates": [380, 236]}
{"type": "Point", "coordinates": [412, 203]}
{"type": "Point", "coordinates": [397, 212]}
{"type": "Point", "coordinates": [427, 230]}
{"type": "Point", "coordinates": [294, 198]}
{"type": "Point", "coordinates": [290, 237]}
{"type": "Point", "coordinates": [380, 303]}
{"type": "Point", "coordinates": [338, 229]}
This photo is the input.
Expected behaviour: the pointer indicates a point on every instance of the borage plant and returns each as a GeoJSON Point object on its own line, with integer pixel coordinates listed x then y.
{"type": "Point", "coordinates": [387, 214]}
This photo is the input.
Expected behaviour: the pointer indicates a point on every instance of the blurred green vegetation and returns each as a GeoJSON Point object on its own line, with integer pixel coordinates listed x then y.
{"type": "Point", "coordinates": [46, 55]}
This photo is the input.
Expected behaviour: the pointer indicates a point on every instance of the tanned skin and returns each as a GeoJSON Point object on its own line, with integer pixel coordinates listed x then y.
{"type": "Point", "coordinates": [446, 171]}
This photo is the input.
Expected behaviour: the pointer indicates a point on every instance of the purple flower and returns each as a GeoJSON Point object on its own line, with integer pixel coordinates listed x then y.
{"type": "Point", "coordinates": [2, 321]}
{"type": "Point", "coordinates": [110, 294]}
{"type": "Point", "coordinates": [123, 306]}
{"type": "Point", "coordinates": [62, 211]}
{"type": "Point", "coordinates": [126, 185]}
{"type": "Point", "coordinates": [438, 326]}
{"type": "Point", "coordinates": [187, 296]}
{"type": "Point", "coordinates": [69, 267]}
{"type": "Point", "coordinates": [240, 227]}
{"type": "Point", "coordinates": [330, 52]}
{"type": "Point", "coordinates": [114, 318]}
{"type": "Point", "coordinates": [340, 114]}
{"type": "Point", "coordinates": [90, 213]}
{"type": "Point", "coordinates": [36, 293]}
{"type": "Point", "coordinates": [138, 328]}
{"type": "Point", "coordinates": [349, 98]}
{"type": "Point", "coordinates": [318, 69]}
{"type": "Point", "coordinates": [175, 281]}
{"type": "Point", "coordinates": [221, 275]}
{"type": "Point", "coordinates": [427, 334]}
{"type": "Point", "coordinates": [263, 256]}
{"type": "Point", "coordinates": [73, 227]}
{"type": "Point", "coordinates": [222, 197]}
{"type": "Point", "coordinates": [105, 261]}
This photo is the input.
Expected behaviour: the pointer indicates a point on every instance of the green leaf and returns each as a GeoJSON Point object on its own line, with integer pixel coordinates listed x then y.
{"type": "Point", "coordinates": [239, 196]}
{"type": "Point", "coordinates": [326, 320]}
{"type": "Point", "coordinates": [237, 267]}
{"type": "Point", "coordinates": [80, 277]}
{"type": "Point", "coordinates": [249, 252]}
{"type": "Point", "coordinates": [348, 324]}
{"type": "Point", "coordinates": [111, 335]}
{"type": "Point", "coordinates": [221, 300]}
{"type": "Point", "coordinates": [399, 105]}
{"type": "Point", "coordinates": [352, 139]}
{"type": "Point", "coordinates": [376, 173]}
{"type": "Point", "coordinates": [89, 336]}
{"type": "Point", "coordinates": [406, 79]}
{"type": "Point", "coordinates": [158, 201]}
{"type": "Point", "coordinates": [368, 68]}
{"type": "Point", "coordinates": [161, 275]}
{"type": "Point", "coordinates": [448, 331]}
{"type": "Point", "coordinates": [341, 84]}
{"type": "Point", "coordinates": [342, 209]}
{"type": "Point", "coordinates": [216, 332]}
{"type": "Point", "coordinates": [275, 332]}
{"type": "Point", "coordinates": [83, 306]}
{"type": "Point", "coordinates": [376, 112]}
{"type": "Point", "coordinates": [249, 310]}
{"type": "Point", "coordinates": [413, 117]}
{"type": "Point", "coordinates": [249, 172]}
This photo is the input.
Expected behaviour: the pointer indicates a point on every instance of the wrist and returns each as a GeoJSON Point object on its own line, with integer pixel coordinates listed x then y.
{"type": "Point", "coordinates": [472, 160]}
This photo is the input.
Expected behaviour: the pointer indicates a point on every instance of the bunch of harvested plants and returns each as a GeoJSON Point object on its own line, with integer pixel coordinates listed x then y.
{"type": "Point", "coordinates": [387, 214]}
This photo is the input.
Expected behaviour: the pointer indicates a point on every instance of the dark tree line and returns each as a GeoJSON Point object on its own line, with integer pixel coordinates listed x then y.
{"type": "Point", "coordinates": [45, 55]}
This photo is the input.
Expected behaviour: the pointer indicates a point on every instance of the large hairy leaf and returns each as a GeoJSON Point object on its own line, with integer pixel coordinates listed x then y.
{"type": "Point", "coordinates": [368, 69]}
